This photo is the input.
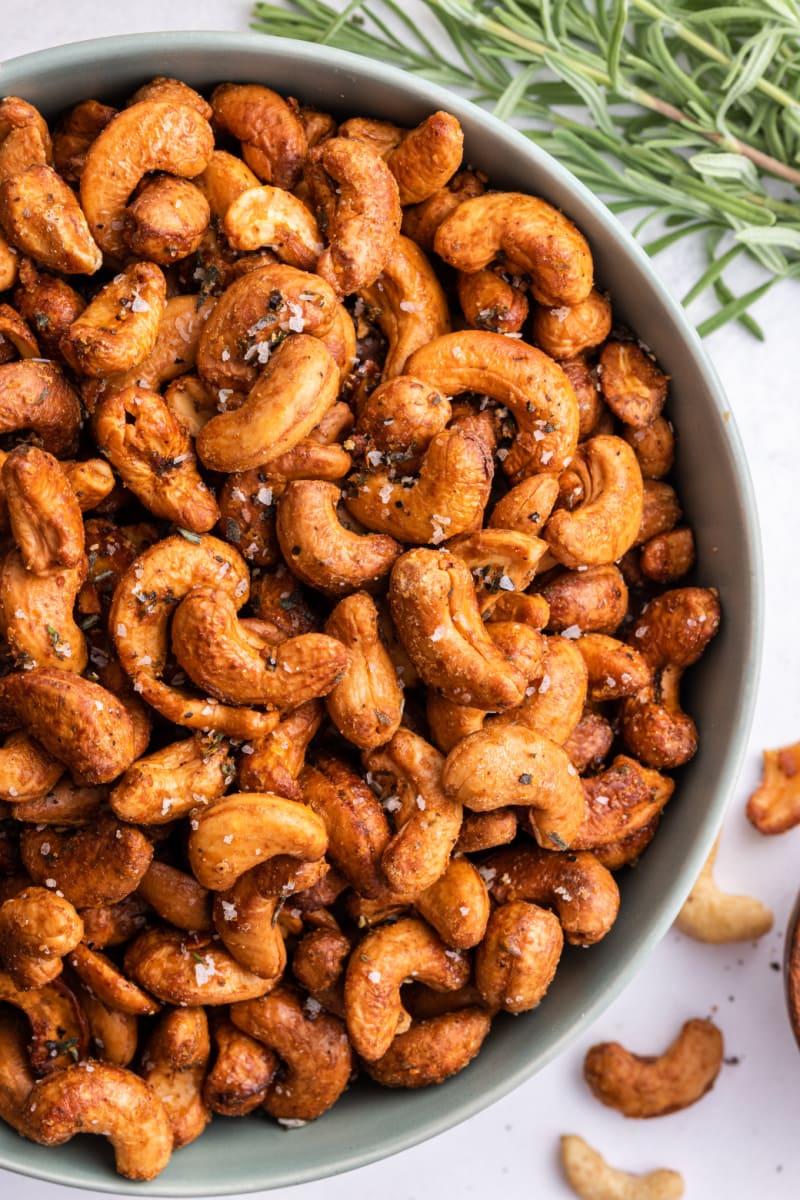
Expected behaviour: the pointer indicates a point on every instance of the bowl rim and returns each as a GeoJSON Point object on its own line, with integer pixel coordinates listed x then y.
{"type": "Point", "coordinates": [71, 54]}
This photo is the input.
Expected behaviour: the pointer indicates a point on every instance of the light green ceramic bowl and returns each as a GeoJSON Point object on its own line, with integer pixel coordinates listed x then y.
{"type": "Point", "coordinates": [369, 1123]}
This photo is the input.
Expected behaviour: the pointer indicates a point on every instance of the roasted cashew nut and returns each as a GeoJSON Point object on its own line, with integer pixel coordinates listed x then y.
{"type": "Point", "coordinates": [118, 329]}
{"type": "Point", "coordinates": [270, 216]}
{"type": "Point", "coordinates": [27, 771]}
{"type": "Point", "coordinates": [152, 135]}
{"type": "Point", "coordinates": [278, 758]}
{"type": "Point", "coordinates": [321, 550]}
{"type": "Point", "coordinates": [57, 1023]}
{"type": "Point", "coordinates": [606, 523]}
{"type": "Point", "coordinates": [581, 890]}
{"type": "Point", "coordinates": [711, 915]}
{"type": "Point", "coordinates": [37, 928]}
{"type": "Point", "coordinates": [92, 865]}
{"type": "Point", "coordinates": [245, 917]}
{"type": "Point", "coordinates": [433, 1050]}
{"type": "Point", "coordinates": [530, 234]}
{"type": "Point", "coordinates": [114, 1034]}
{"type": "Point", "coordinates": [188, 972]}
{"type": "Point", "coordinates": [615, 669]}
{"type": "Point", "coordinates": [409, 304]}
{"type": "Point", "coordinates": [634, 388]}
{"type": "Point", "coordinates": [491, 302]}
{"type": "Point", "coordinates": [36, 396]}
{"type": "Point", "coordinates": [590, 741]}
{"type": "Point", "coordinates": [592, 601]}
{"type": "Point", "coordinates": [366, 704]}
{"type": "Point", "coordinates": [533, 387]}
{"type": "Point", "coordinates": [246, 828]}
{"type": "Point", "coordinates": [166, 220]}
{"type": "Point", "coordinates": [242, 1072]}
{"type": "Point", "coordinates": [272, 135]}
{"type": "Point", "coordinates": [427, 819]}
{"type": "Point", "coordinates": [174, 1066]}
{"type": "Point", "coordinates": [95, 1097]}
{"type": "Point", "coordinates": [357, 828]}
{"type": "Point", "coordinates": [295, 390]}
{"type": "Point", "coordinates": [16, 1077]}
{"type": "Point", "coordinates": [143, 603]}
{"type": "Point", "coordinates": [592, 1178]}
{"type": "Point", "coordinates": [774, 806]}
{"type": "Point", "coordinates": [42, 218]}
{"type": "Point", "coordinates": [316, 1054]}
{"type": "Point", "coordinates": [223, 180]}
{"type": "Point", "coordinates": [565, 332]}
{"type": "Point", "coordinates": [319, 964]}
{"type": "Point", "coordinates": [37, 615]}
{"type": "Point", "coordinates": [226, 659]}
{"type": "Point", "coordinates": [100, 975]}
{"type": "Point", "coordinates": [176, 896]}
{"type": "Point", "coordinates": [457, 905]}
{"type": "Point", "coordinates": [517, 959]}
{"type": "Point", "coordinates": [379, 965]}
{"type": "Point", "coordinates": [648, 1086]}
{"type": "Point", "coordinates": [621, 801]}
{"type": "Point", "coordinates": [168, 784]}
{"type": "Point", "coordinates": [500, 766]}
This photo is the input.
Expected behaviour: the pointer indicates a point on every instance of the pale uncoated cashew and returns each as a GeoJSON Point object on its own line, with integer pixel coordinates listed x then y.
{"type": "Point", "coordinates": [499, 766]}
{"type": "Point", "coordinates": [436, 616]}
{"type": "Point", "coordinates": [606, 522]}
{"type": "Point", "coordinates": [409, 304]}
{"type": "Point", "coordinates": [228, 660]}
{"type": "Point", "coordinates": [151, 135]}
{"type": "Point", "coordinates": [297, 387]}
{"type": "Point", "coordinates": [315, 1051]}
{"type": "Point", "coordinates": [711, 915]}
{"type": "Point", "coordinates": [143, 603]}
{"type": "Point", "coordinates": [118, 329]}
{"type": "Point", "coordinates": [592, 1178]}
{"type": "Point", "coordinates": [321, 550]}
{"type": "Point", "coordinates": [174, 1065]}
{"type": "Point", "coordinates": [97, 1097]}
{"type": "Point", "coordinates": [78, 722]}
{"type": "Point", "coordinates": [37, 928]}
{"type": "Point", "coordinates": [648, 1086]}
{"type": "Point", "coordinates": [533, 387]}
{"type": "Point", "coordinates": [533, 236]}
{"type": "Point", "coordinates": [42, 218]}
{"type": "Point", "coordinates": [246, 828]}
{"type": "Point", "coordinates": [378, 967]}
{"type": "Point", "coordinates": [366, 705]}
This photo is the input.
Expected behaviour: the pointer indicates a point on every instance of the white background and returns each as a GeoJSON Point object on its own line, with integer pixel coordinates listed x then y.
{"type": "Point", "coordinates": [740, 1141]}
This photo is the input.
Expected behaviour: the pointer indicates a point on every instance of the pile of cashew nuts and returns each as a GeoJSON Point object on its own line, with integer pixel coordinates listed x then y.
{"type": "Point", "coordinates": [342, 602]}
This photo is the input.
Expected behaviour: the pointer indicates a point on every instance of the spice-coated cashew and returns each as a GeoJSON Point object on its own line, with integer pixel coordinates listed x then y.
{"type": "Point", "coordinates": [532, 235]}
{"type": "Point", "coordinates": [79, 722]}
{"type": "Point", "coordinates": [152, 135]}
{"type": "Point", "coordinates": [75, 134]}
{"type": "Point", "coordinates": [37, 617]}
{"type": "Point", "coordinates": [176, 896]}
{"type": "Point", "coordinates": [114, 1034]}
{"type": "Point", "coordinates": [615, 669]}
{"type": "Point", "coordinates": [153, 454]}
{"type": "Point", "coordinates": [242, 1072]}
{"type": "Point", "coordinates": [484, 831]}
{"type": "Point", "coordinates": [16, 1077]}
{"type": "Point", "coordinates": [245, 918]}
{"type": "Point", "coordinates": [634, 388]}
{"type": "Point", "coordinates": [118, 329]}
{"type": "Point", "coordinates": [170, 782]}
{"type": "Point", "coordinates": [36, 396]}
{"type": "Point", "coordinates": [526, 381]}
{"type": "Point", "coordinates": [224, 178]}
{"type": "Point", "coordinates": [272, 135]}
{"type": "Point", "coordinates": [436, 616]}
{"type": "Point", "coordinates": [565, 332]}
{"type": "Point", "coordinates": [96, 864]}
{"type": "Point", "coordinates": [95, 1097]}
{"type": "Point", "coordinates": [420, 221]}
{"type": "Point", "coordinates": [59, 1033]}
{"type": "Point", "coordinates": [42, 218]}
{"type": "Point", "coordinates": [163, 87]}
{"type": "Point", "coordinates": [356, 197]}
{"type": "Point", "coordinates": [456, 905]}
{"type": "Point", "coordinates": [319, 963]}
{"type": "Point", "coordinates": [27, 771]}
{"type": "Point", "coordinates": [166, 220]}
{"type": "Point", "coordinates": [649, 1086]}
{"type": "Point", "coordinates": [270, 216]}
{"type": "Point", "coordinates": [228, 660]}
{"type": "Point", "coordinates": [409, 304]}
{"type": "Point", "coordinates": [65, 804]}
{"type": "Point", "coordinates": [174, 1066]}
{"type": "Point", "coordinates": [606, 522]}
{"type": "Point", "coordinates": [620, 801]}
{"type": "Point", "coordinates": [320, 549]}
{"type": "Point", "coordinates": [315, 1052]}
{"type": "Point", "coordinates": [108, 984]}
{"type": "Point", "coordinates": [581, 890]}
{"type": "Point", "coordinates": [112, 924]}
{"type": "Point", "coordinates": [297, 387]}
{"type": "Point", "coordinates": [488, 301]}
{"type": "Point", "coordinates": [427, 819]}
{"type": "Point", "coordinates": [378, 966]}
{"type": "Point", "coordinates": [427, 157]}
{"type": "Point", "coordinates": [553, 705]}
{"type": "Point", "coordinates": [189, 971]}
{"type": "Point", "coordinates": [499, 766]}
{"type": "Point", "coordinates": [590, 741]}
{"type": "Point", "coordinates": [591, 601]}
{"type": "Point", "coordinates": [37, 928]}
{"type": "Point", "coordinates": [18, 340]}
{"type": "Point", "coordinates": [517, 959]}
{"type": "Point", "coordinates": [276, 760]}
{"type": "Point", "coordinates": [143, 603]}
{"type": "Point", "coordinates": [654, 447]}
{"type": "Point", "coordinates": [366, 704]}
{"type": "Point", "coordinates": [432, 1050]}
{"type": "Point", "coordinates": [357, 828]}
{"type": "Point", "coordinates": [246, 828]}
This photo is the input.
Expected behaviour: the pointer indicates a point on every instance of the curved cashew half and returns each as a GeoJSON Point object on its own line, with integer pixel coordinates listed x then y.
{"type": "Point", "coordinates": [592, 1178]}
{"type": "Point", "coordinates": [228, 660]}
{"type": "Point", "coordinates": [533, 387]}
{"type": "Point", "coordinates": [190, 971]}
{"type": "Point", "coordinates": [378, 966]}
{"type": "Point", "coordinates": [648, 1086]}
{"type": "Point", "coordinates": [41, 216]}
{"type": "Point", "coordinates": [517, 959]}
{"type": "Point", "coordinates": [504, 765]}
{"type": "Point", "coordinates": [37, 928]}
{"type": "Point", "coordinates": [634, 388]}
{"type": "Point", "coordinates": [358, 831]}
{"type": "Point", "coordinates": [152, 135]}
{"type": "Point", "coordinates": [272, 135]}
{"type": "Point", "coordinates": [606, 522]}
{"type": "Point", "coordinates": [532, 235]}
{"type": "Point", "coordinates": [100, 975]}
{"type": "Point", "coordinates": [166, 220]}
{"type": "Point", "coordinates": [174, 1066]}
{"type": "Point", "coordinates": [433, 1050]}
{"type": "Point", "coordinates": [316, 1054]}
{"type": "Point", "coordinates": [246, 828]}
{"type": "Point", "coordinates": [37, 617]}
{"type": "Point", "coordinates": [16, 1077]}
{"type": "Point", "coordinates": [77, 721]}
{"type": "Point", "coordinates": [456, 905]}
{"type": "Point", "coordinates": [27, 771]}
{"type": "Point", "coordinates": [298, 386]}
{"type": "Point", "coordinates": [409, 304]}
{"type": "Point", "coordinates": [320, 549]}
{"type": "Point", "coordinates": [565, 332]}
{"type": "Point", "coordinates": [620, 801]}
{"type": "Point", "coordinates": [59, 1032]}
{"type": "Point", "coordinates": [176, 896]}
{"type": "Point", "coordinates": [711, 915]}
{"type": "Point", "coordinates": [774, 806]}
{"type": "Point", "coordinates": [246, 919]}
{"type": "Point", "coordinates": [95, 1097]}
{"type": "Point", "coordinates": [118, 329]}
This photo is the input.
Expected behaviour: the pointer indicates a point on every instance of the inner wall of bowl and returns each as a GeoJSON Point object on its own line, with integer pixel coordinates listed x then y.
{"type": "Point", "coordinates": [714, 486]}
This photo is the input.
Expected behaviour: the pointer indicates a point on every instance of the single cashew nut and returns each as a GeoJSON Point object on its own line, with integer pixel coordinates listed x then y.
{"type": "Point", "coordinates": [75, 135]}
{"type": "Point", "coordinates": [36, 396]}
{"type": "Point", "coordinates": [774, 806]}
{"type": "Point", "coordinates": [433, 1050]}
{"type": "Point", "coordinates": [594, 600]}
{"type": "Point", "coordinates": [243, 1070]}
{"type": "Point", "coordinates": [538, 239]}
{"type": "Point", "coordinates": [245, 917]}
{"type": "Point", "coordinates": [152, 135]}
{"type": "Point", "coordinates": [98, 864]}
{"type": "Point", "coordinates": [277, 759]}
{"type": "Point", "coordinates": [517, 959]}
{"type": "Point", "coordinates": [272, 135]}
{"type": "Point", "coordinates": [567, 331]}
{"type": "Point", "coordinates": [634, 388]}
{"type": "Point", "coordinates": [118, 329]}
{"type": "Point", "coordinates": [168, 784]}
{"type": "Point", "coordinates": [592, 1178]}
{"type": "Point", "coordinates": [620, 801]}
{"type": "Point", "coordinates": [97, 1097]}
{"type": "Point", "coordinates": [378, 966]}
{"type": "Point", "coordinates": [457, 905]}
{"type": "Point", "coordinates": [186, 972]}
{"type": "Point", "coordinates": [174, 1065]}
{"type": "Point", "coordinates": [176, 896]}
{"type": "Point", "coordinates": [711, 915]}
{"type": "Point", "coordinates": [166, 220]}
{"type": "Point", "coordinates": [270, 216]}
{"type": "Point", "coordinates": [59, 1032]}
{"type": "Point", "coordinates": [357, 828]}
{"type": "Point", "coordinates": [491, 302]}
{"type": "Point", "coordinates": [37, 928]}
{"type": "Point", "coordinates": [42, 218]}
{"type": "Point", "coordinates": [606, 523]}
{"type": "Point", "coordinates": [16, 1077]}
{"type": "Point", "coordinates": [409, 304]}
{"type": "Point", "coordinates": [366, 704]}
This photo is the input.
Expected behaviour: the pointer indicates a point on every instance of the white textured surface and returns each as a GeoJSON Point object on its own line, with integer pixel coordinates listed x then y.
{"type": "Point", "coordinates": [741, 1140]}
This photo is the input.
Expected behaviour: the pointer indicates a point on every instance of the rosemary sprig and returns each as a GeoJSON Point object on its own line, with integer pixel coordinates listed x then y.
{"type": "Point", "coordinates": [684, 111]}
